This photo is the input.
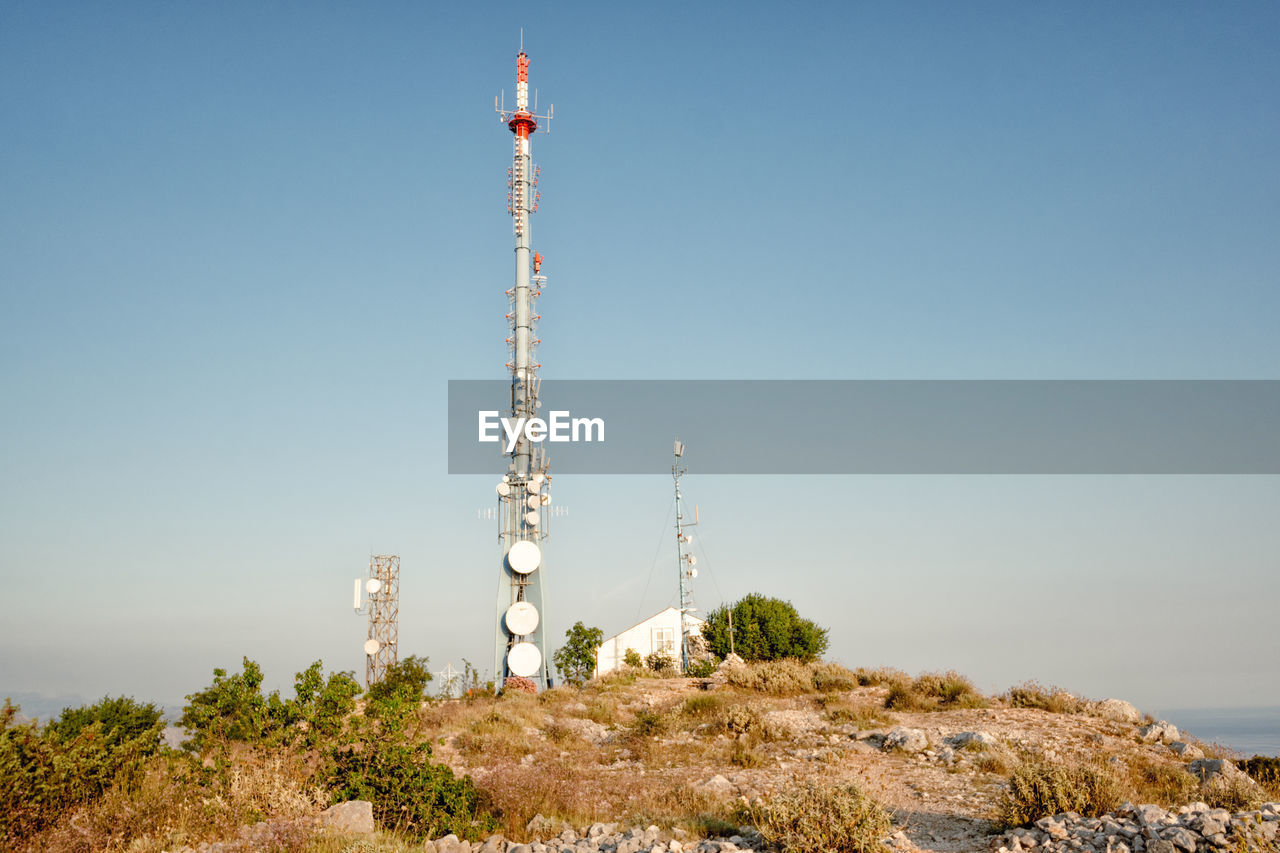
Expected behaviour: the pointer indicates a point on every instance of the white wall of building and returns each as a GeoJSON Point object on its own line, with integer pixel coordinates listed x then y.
{"type": "Point", "coordinates": [661, 631]}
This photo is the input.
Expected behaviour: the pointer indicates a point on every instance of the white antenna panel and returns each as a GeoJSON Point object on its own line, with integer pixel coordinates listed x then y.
{"type": "Point", "coordinates": [524, 557]}
{"type": "Point", "coordinates": [532, 518]}
{"type": "Point", "coordinates": [546, 500]}
{"type": "Point", "coordinates": [522, 619]}
{"type": "Point", "coordinates": [371, 646]}
{"type": "Point", "coordinates": [373, 586]}
{"type": "Point", "coordinates": [356, 601]}
{"type": "Point", "coordinates": [524, 659]}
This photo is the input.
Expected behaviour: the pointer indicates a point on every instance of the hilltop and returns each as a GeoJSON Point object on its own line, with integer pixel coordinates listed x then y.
{"type": "Point", "coordinates": [779, 755]}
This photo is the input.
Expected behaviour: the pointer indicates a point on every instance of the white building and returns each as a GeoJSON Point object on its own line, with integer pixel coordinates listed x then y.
{"type": "Point", "coordinates": [659, 633]}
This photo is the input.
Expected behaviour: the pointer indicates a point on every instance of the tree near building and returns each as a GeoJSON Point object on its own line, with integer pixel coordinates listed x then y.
{"type": "Point", "coordinates": [764, 629]}
{"type": "Point", "coordinates": [576, 659]}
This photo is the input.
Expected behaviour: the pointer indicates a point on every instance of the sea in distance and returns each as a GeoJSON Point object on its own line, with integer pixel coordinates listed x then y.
{"type": "Point", "coordinates": [1249, 731]}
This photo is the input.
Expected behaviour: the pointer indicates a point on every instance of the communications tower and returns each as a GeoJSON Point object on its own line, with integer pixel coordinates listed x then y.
{"type": "Point", "coordinates": [685, 561]}
{"type": "Point", "coordinates": [520, 647]}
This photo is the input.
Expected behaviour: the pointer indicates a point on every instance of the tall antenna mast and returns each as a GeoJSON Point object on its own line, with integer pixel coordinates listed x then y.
{"type": "Point", "coordinates": [685, 561]}
{"type": "Point", "coordinates": [524, 492]}
{"type": "Point", "coordinates": [381, 649]}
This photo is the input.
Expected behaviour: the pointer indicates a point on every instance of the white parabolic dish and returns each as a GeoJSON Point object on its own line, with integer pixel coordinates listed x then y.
{"type": "Point", "coordinates": [524, 557]}
{"type": "Point", "coordinates": [522, 619]}
{"type": "Point", "coordinates": [502, 489]}
{"type": "Point", "coordinates": [371, 646]}
{"type": "Point", "coordinates": [524, 659]}
{"type": "Point", "coordinates": [534, 502]}
{"type": "Point", "coordinates": [373, 585]}
{"type": "Point", "coordinates": [532, 518]}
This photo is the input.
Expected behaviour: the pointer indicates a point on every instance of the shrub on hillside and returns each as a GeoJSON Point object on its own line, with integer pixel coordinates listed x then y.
{"type": "Point", "coordinates": [409, 793]}
{"type": "Point", "coordinates": [1265, 771]}
{"type": "Point", "coordinates": [47, 771]}
{"type": "Point", "coordinates": [661, 663]}
{"type": "Point", "coordinates": [1032, 694]}
{"type": "Point", "coordinates": [701, 668]}
{"type": "Point", "coordinates": [820, 817]}
{"type": "Point", "coordinates": [1038, 789]}
{"type": "Point", "coordinates": [879, 676]}
{"type": "Point", "coordinates": [934, 691]}
{"type": "Point", "coordinates": [831, 677]}
{"type": "Point", "coordinates": [233, 708]}
{"type": "Point", "coordinates": [763, 629]}
{"type": "Point", "coordinates": [576, 659]}
{"type": "Point", "coordinates": [632, 658]}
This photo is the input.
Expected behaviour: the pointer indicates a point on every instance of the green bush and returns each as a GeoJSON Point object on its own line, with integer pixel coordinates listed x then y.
{"type": "Point", "coordinates": [45, 772]}
{"type": "Point", "coordinates": [410, 794]}
{"type": "Point", "coordinates": [233, 708]}
{"type": "Point", "coordinates": [661, 663]}
{"type": "Point", "coordinates": [701, 668]}
{"type": "Point", "coordinates": [1038, 789]}
{"type": "Point", "coordinates": [819, 817]}
{"type": "Point", "coordinates": [576, 659]}
{"type": "Point", "coordinates": [763, 629]}
{"type": "Point", "coordinates": [632, 658]}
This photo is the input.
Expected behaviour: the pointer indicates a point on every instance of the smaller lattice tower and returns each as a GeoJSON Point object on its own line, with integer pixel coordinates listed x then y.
{"type": "Point", "coordinates": [383, 590]}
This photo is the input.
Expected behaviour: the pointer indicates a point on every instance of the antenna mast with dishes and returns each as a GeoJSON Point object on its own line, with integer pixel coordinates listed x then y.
{"type": "Point", "coordinates": [685, 561]}
{"type": "Point", "coordinates": [523, 494]}
{"type": "Point", "coordinates": [383, 590]}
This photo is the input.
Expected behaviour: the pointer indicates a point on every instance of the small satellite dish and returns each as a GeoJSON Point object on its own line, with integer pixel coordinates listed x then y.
{"type": "Point", "coordinates": [522, 619]}
{"type": "Point", "coordinates": [371, 646]}
{"type": "Point", "coordinates": [534, 502]}
{"type": "Point", "coordinates": [524, 557]}
{"type": "Point", "coordinates": [533, 486]}
{"type": "Point", "coordinates": [503, 489]}
{"type": "Point", "coordinates": [693, 573]}
{"type": "Point", "coordinates": [506, 479]}
{"type": "Point", "coordinates": [524, 659]}
{"type": "Point", "coordinates": [693, 561]}
{"type": "Point", "coordinates": [539, 477]}
{"type": "Point", "coordinates": [546, 500]}
{"type": "Point", "coordinates": [688, 537]}
{"type": "Point", "coordinates": [373, 586]}
{"type": "Point", "coordinates": [532, 518]}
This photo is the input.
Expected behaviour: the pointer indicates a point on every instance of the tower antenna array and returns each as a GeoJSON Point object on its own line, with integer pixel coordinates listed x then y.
{"type": "Point", "coordinates": [524, 491]}
{"type": "Point", "coordinates": [685, 561]}
{"type": "Point", "coordinates": [382, 645]}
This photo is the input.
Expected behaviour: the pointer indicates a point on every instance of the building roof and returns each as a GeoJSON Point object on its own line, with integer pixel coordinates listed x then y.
{"type": "Point", "coordinates": [692, 618]}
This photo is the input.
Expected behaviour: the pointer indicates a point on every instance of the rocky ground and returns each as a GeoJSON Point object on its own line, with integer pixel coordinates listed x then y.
{"type": "Point", "coordinates": [940, 773]}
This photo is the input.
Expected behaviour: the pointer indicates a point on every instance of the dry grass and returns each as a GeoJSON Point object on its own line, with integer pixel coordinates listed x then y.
{"type": "Point", "coordinates": [934, 691]}
{"type": "Point", "coordinates": [881, 676]}
{"type": "Point", "coordinates": [861, 715]}
{"type": "Point", "coordinates": [1033, 694]}
{"type": "Point", "coordinates": [819, 817]}
{"type": "Point", "coordinates": [1038, 789]}
{"type": "Point", "coordinates": [176, 802]}
{"type": "Point", "coordinates": [580, 795]}
{"type": "Point", "coordinates": [1163, 783]}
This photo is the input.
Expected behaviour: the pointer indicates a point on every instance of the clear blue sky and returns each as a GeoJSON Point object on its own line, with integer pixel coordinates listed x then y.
{"type": "Point", "coordinates": [243, 247]}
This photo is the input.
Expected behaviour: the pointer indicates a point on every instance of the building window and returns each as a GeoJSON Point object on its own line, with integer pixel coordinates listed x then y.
{"type": "Point", "coordinates": [664, 640]}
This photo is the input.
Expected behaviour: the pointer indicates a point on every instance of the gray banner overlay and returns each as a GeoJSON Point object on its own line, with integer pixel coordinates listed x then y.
{"type": "Point", "coordinates": [890, 426]}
